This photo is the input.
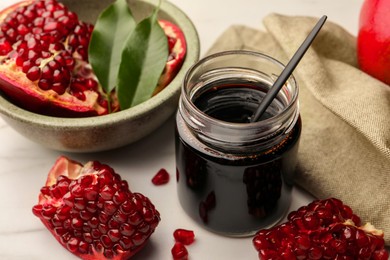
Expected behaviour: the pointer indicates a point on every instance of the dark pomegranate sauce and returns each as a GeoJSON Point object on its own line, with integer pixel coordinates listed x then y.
{"type": "Point", "coordinates": [235, 192]}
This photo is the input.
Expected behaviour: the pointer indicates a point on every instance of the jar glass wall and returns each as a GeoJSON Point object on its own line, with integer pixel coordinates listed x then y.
{"type": "Point", "coordinates": [235, 176]}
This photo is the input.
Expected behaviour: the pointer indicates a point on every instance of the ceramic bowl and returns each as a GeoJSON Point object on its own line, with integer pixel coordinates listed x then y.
{"type": "Point", "coordinates": [118, 129]}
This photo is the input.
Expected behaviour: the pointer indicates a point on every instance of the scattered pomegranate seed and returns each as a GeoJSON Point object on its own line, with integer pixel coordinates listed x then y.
{"type": "Point", "coordinates": [161, 177]}
{"type": "Point", "coordinates": [179, 252]}
{"type": "Point", "coordinates": [184, 236]}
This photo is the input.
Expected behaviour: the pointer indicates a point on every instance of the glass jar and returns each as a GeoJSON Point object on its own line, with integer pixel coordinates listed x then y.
{"type": "Point", "coordinates": [234, 176]}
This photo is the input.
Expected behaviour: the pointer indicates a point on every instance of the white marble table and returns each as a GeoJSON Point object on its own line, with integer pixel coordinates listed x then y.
{"type": "Point", "coordinates": [24, 165]}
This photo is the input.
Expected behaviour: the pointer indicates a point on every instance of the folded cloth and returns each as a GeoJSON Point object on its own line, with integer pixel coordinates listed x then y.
{"type": "Point", "coordinates": [345, 143]}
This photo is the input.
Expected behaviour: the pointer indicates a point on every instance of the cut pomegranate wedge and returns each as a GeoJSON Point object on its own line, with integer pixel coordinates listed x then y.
{"type": "Point", "coordinates": [177, 51]}
{"type": "Point", "coordinates": [324, 229]}
{"type": "Point", "coordinates": [44, 61]}
{"type": "Point", "coordinates": [92, 213]}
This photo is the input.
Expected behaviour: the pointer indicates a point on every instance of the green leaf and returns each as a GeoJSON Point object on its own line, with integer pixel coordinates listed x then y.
{"type": "Point", "coordinates": [143, 60]}
{"type": "Point", "coordinates": [112, 28]}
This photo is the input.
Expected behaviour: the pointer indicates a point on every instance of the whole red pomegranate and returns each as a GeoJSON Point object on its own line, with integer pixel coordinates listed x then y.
{"type": "Point", "coordinates": [90, 210]}
{"type": "Point", "coordinates": [373, 42]}
{"type": "Point", "coordinates": [324, 229]}
{"type": "Point", "coordinates": [44, 60]}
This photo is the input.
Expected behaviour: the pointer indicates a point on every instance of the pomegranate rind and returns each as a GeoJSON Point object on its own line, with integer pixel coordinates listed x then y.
{"type": "Point", "coordinates": [373, 40]}
{"type": "Point", "coordinates": [73, 170]}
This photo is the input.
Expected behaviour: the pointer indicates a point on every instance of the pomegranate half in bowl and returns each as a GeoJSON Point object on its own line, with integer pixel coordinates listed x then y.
{"type": "Point", "coordinates": [44, 118]}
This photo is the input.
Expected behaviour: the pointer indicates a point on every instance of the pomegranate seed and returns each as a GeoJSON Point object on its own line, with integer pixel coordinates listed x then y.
{"type": "Point", "coordinates": [54, 65]}
{"type": "Point", "coordinates": [91, 84]}
{"type": "Point", "coordinates": [22, 29]}
{"type": "Point", "coordinates": [72, 40]}
{"type": "Point", "coordinates": [44, 84]}
{"type": "Point", "coordinates": [59, 87]}
{"type": "Point", "coordinates": [57, 76]}
{"type": "Point", "coordinates": [184, 236]}
{"type": "Point", "coordinates": [58, 14]}
{"type": "Point", "coordinates": [161, 177]}
{"type": "Point", "coordinates": [26, 66]}
{"type": "Point", "coordinates": [179, 252]}
{"type": "Point", "coordinates": [80, 30]}
{"type": "Point", "coordinates": [5, 47]}
{"type": "Point", "coordinates": [46, 72]}
{"type": "Point", "coordinates": [57, 46]}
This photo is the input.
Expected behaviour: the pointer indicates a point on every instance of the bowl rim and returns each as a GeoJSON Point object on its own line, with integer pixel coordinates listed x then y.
{"type": "Point", "coordinates": [11, 110]}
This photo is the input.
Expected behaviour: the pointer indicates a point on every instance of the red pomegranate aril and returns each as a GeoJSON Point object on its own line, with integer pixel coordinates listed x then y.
{"type": "Point", "coordinates": [22, 29]}
{"type": "Point", "coordinates": [161, 177]}
{"type": "Point", "coordinates": [114, 235]}
{"type": "Point", "coordinates": [127, 230]}
{"type": "Point", "coordinates": [57, 76]}
{"type": "Point", "coordinates": [179, 252]}
{"type": "Point", "coordinates": [59, 87]}
{"type": "Point", "coordinates": [184, 236]}
{"type": "Point", "coordinates": [5, 47]}
{"type": "Point", "coordinates": [113, 224]}
{"type": "Point", "coordinates": [44, 84]}
{"type": "Point", "coordinates": [10, 33]}
{"type": "Point", "coordinates": [72, 245]}
{"type": "Point", "coordinates": [58, 14]}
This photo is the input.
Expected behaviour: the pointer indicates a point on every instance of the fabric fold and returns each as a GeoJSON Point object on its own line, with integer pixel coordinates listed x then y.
{"type": "Point", "coordinates": [345, 144]}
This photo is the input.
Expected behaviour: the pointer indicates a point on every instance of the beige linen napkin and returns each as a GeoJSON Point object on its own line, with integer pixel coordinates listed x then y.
{"type": "Point", "coordinates": [345, 143]}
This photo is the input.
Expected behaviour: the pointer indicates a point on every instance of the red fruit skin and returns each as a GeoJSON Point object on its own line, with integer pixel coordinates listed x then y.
{"type": "Point", "coordinates": [92, 213]}
{"type": "Point", "coordinates": [324, 229]}
{"type": "Point", "coordinates": [373, 41]}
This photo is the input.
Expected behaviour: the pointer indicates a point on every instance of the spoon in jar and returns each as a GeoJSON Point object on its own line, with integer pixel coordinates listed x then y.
{"type": "Point", "coordinates": [287, 71]}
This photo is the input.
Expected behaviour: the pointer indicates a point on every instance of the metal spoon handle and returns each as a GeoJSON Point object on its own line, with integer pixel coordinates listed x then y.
{"type": "Point", "coordinates": [286, 73]}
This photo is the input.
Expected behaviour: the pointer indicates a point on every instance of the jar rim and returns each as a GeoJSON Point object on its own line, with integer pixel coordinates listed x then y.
{"type": "Point", "coordinates": [258, 124]}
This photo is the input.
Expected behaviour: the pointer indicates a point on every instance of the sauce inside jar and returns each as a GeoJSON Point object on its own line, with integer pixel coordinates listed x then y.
{"type": "Point", "coordinates": [235, 193]}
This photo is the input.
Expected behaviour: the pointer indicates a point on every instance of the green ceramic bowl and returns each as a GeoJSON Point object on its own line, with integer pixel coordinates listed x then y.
{"type": "Point", "coordinates": [106, 132]}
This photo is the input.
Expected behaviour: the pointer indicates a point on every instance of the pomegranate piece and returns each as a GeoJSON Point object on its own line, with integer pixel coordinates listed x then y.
{"type": "Point", "coordinates": [179, 252]}
{"type": "Point", "coordinates": [92, 213]}
{"type": "Point", "coordinates": [324, 229]}
{"type": "Point", "coordinates": [184, 236]}
{"type": "Point", "coordinates": [177, 48]}
{"type": "Point", "coordinates": [373, 39]}
{"type": "Point", "coordinates": [161, 177]}
{"type": "Point", "coordinates": [44, 61]}
{"type": "Point", "coordinates": [44, 64]}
